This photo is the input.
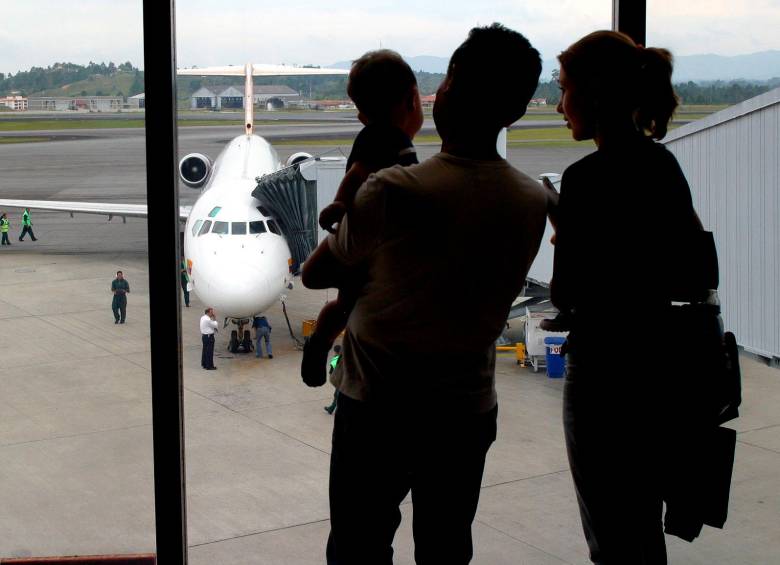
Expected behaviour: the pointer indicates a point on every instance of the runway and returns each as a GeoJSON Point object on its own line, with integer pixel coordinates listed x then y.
{"type": "Point", "coordinates": [76, 471]}
{"type": "Point", "coordinates": [108, 165]}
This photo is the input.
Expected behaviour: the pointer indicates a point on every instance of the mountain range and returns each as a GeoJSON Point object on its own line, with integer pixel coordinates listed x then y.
{"type": "Point", "coordinates": [760, 66]}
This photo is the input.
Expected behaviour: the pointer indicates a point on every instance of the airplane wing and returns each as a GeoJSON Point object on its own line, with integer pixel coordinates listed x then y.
{"type": "Point", "coordinates": [100, 208]}
{"type": "Point", "coordinates": [262, 70]}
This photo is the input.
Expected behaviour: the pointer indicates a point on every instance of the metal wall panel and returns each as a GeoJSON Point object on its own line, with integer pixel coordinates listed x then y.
{"type": "Point", "coordinates": [732, 162]}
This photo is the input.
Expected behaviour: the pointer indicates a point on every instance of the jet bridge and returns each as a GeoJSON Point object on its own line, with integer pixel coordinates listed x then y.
{"type": "Point", "coordinates": [296, 195]}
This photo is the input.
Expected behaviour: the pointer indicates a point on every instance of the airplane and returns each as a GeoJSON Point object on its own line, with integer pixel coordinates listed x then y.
{"type": "Point", "coordinates": [238, 260]}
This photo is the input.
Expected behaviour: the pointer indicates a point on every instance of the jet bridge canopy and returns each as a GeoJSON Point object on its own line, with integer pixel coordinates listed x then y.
{"type": "Point", "coordinates": [296, 195]}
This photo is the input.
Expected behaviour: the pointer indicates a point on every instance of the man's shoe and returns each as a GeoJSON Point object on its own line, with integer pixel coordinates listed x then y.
{"type": "Point", "coordinates": [122, 322]}
{"type": "Point", "coordinates": [270, 356]}
{"type": "Point", "coordinates": [116, 321]}
{"type": "Point", "coordinates": [35, 239]}
{"type": "Point", "coordinates": [211, 368]}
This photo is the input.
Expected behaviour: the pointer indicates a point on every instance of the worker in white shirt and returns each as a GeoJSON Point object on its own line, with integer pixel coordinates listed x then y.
{"type": "Point", "coordinates": [208, 327]}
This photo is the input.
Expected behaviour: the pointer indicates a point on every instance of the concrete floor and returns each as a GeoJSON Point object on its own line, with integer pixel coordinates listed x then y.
{"type": "Point", "coordinates": [76, 451]}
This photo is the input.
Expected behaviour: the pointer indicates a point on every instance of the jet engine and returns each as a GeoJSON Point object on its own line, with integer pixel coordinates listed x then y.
{"type": "Point", "coordinates": [194, 169]}
{"type": "Point", "coordinates": [296, 158]}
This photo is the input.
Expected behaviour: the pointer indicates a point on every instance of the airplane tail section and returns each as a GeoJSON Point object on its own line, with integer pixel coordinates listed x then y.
{"type": "Point", "coordinates": [259, 70]}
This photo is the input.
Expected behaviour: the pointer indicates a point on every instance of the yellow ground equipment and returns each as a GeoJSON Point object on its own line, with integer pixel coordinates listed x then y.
{"type": "Point", "coordinates": [518, 349]}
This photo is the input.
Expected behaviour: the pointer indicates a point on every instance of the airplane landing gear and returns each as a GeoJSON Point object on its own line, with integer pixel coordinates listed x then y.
{"type": "Point", "coordinates": [240, 339]}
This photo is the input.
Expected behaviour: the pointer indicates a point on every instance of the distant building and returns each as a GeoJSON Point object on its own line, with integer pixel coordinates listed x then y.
{"type": "Point", "coordinates": [274, 96]}
{"type": "Point", "coordinates": [82, 103]}
{"type": "Point", "coordinates": [137, 102]}
{"type": "Point", "coordinates": [19, 103]}
{"type": "Point", "coordinates": [428, 101]}
{"type": "Point", "coordinates": [219, 97]}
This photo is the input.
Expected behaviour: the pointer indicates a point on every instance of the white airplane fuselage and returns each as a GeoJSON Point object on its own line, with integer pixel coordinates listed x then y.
{"type": "Point", "coordinates": [239, 264]}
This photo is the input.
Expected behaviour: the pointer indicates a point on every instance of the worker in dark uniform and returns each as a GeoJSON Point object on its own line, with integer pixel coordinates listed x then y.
{"type": "Point", "coordinates": [120, 288]}
{"type": "Point", "coordinates": [4, 226]}
{"type": "Point", "coordinates": [334, 362]}
{"type": "Point", "coordinates": [185, 279]}
{"type": "Point", "coordinates": [27, 226]}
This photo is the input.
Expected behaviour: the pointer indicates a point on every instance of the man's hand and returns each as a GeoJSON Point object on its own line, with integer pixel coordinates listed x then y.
{"type": "Point", "coordinates": [331, 214]}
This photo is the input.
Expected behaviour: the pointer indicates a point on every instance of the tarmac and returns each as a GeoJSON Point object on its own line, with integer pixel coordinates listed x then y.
{"type": "Point", "coordinates": [76, 473]}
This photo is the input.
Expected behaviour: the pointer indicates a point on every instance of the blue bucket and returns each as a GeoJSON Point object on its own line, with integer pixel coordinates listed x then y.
{"type": "Point", "coordinates": [556, 362]}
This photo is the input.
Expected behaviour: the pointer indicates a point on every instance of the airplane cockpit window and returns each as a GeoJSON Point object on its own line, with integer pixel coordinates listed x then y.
{"type": "Point", "coordinates": [264, 211]}
{"type": "Point", "coordinates": [238, 228]}
{"type": "Point", "coordinates": [214, 211]}
{"type": "Point", "coordinates": [257, 227]}
{"type": "Point", "coordinates": [196, 227]}
{"type": "Point", "coordinates": [221, 228]}
{"type": "Point", "coordinates": [274, 228]}
{"type": "Point", "coordinates": [205, 227]}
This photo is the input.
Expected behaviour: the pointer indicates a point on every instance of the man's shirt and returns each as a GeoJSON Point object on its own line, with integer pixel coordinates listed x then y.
{"type": "Point", "coordinates": [207, 325]}
{"type": "Point", "coordinates": [447, 245]}
{"type": "Point", "coordinates": [121, 287]}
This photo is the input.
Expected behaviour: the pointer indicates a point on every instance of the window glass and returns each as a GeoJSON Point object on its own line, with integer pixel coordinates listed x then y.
{"type": "Point", "coordinates": [214, 211]}
{"type": "Point", "coordinates": [196, 227]}
{"type": "Point", "coordinates": [220, 228]}
{"type": "Point", "coordinates": [238, 228]}
{"type": "Point", "coordinates": [257, 227]}
{"type": "Point", "coordinates": [264, 211]}
{"type": "Point", "coordinates": [274, 228]}
{"type": "Point", "coordinates": [205, 227]}
{"type": "Point", "coordinates": [76, 412]}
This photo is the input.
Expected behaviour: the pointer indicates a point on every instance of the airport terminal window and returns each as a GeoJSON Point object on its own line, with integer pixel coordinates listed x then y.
{"type": "Point", "coordinates": [263, 210]}
{"type": "Point", "coordinates": [257, 227]}
{"type": "Point", "coordinates": [205, 228]}
{"type": "Point", "coordinates": [238, 228]}
{"type": "Point", "coordinates": [215, 211]}
{"type": "Point", "coordinates": [196, 227]}
{"type": "Point", "coordinates": [274, 228]}
{"type": "Point", "coordinates": [220, 228]}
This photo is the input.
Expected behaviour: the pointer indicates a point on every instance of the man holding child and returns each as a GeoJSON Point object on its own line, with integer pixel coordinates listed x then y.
{"type": "Point", "coordinates": [430, 242]}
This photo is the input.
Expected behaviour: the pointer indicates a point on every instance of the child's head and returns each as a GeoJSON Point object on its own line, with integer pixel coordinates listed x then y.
{"type": "Point", "coordinates": [617, 85]}
{"type": "Point", "coordinates": [490, 80]}
{"type": "Point", "coordinates": [384, 89]}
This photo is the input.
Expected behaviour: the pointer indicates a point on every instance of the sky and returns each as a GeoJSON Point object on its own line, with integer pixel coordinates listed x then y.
{"type": "Point", "coordinates": [42, 32]}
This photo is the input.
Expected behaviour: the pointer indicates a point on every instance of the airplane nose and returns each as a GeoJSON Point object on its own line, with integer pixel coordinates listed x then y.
{"type": "Point", "coordinates": [238, 284]}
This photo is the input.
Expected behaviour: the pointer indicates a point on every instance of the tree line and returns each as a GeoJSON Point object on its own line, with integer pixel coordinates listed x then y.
{"type": "Point", "coordinates": [39, 79]}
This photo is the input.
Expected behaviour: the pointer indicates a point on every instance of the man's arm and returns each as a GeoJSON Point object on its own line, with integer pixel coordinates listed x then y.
{"type": "Point", "coordinates": [331, 264]}
{"type": "Point", "coordinates": [323, 270]}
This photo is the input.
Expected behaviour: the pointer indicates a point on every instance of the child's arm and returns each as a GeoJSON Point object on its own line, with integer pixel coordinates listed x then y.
{"type": "Point", "coordinates": [345, 195]}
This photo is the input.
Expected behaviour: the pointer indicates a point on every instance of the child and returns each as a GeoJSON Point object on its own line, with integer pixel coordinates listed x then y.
{"type": "Point", "coordinates": [384, 90]}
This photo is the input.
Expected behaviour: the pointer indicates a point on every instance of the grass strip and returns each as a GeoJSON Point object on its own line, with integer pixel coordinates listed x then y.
{"type": "Point", "coordinates": [22, 139]}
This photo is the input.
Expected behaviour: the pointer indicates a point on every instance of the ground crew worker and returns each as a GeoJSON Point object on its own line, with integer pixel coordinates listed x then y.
{"type": "Point", "coordinates": [4, 225]}
{"type": "Point", "coordinates": [120, 287]}
{"type": "Point", "coordinates": [27, 226]}
{"type": "Point", "coordinates": [262, 333]}
{"type": "Point", "coordinates": [185, 279]}
{"type": "Point", "coordinates": [334, 362]}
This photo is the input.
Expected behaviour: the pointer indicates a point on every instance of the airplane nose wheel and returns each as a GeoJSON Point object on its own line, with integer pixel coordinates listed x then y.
{"type": "Point", "coordinates": [243, 345]}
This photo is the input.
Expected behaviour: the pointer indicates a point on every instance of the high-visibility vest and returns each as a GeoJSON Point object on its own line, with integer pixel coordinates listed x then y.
{"type": "Point", "coordinates": [26, 219]}
{"type": "Point", "coordinates": [334, 361]}
{"type": "Point", "coordinates": [4, 225]}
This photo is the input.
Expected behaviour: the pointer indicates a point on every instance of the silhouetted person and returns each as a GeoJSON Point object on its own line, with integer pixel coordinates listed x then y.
{"type": "Point", "coordinates": [384, 90]}
{"type": "Point", "coordinates": [622, 211]}
{"type": "Point", "coordinates": [417, 405]}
